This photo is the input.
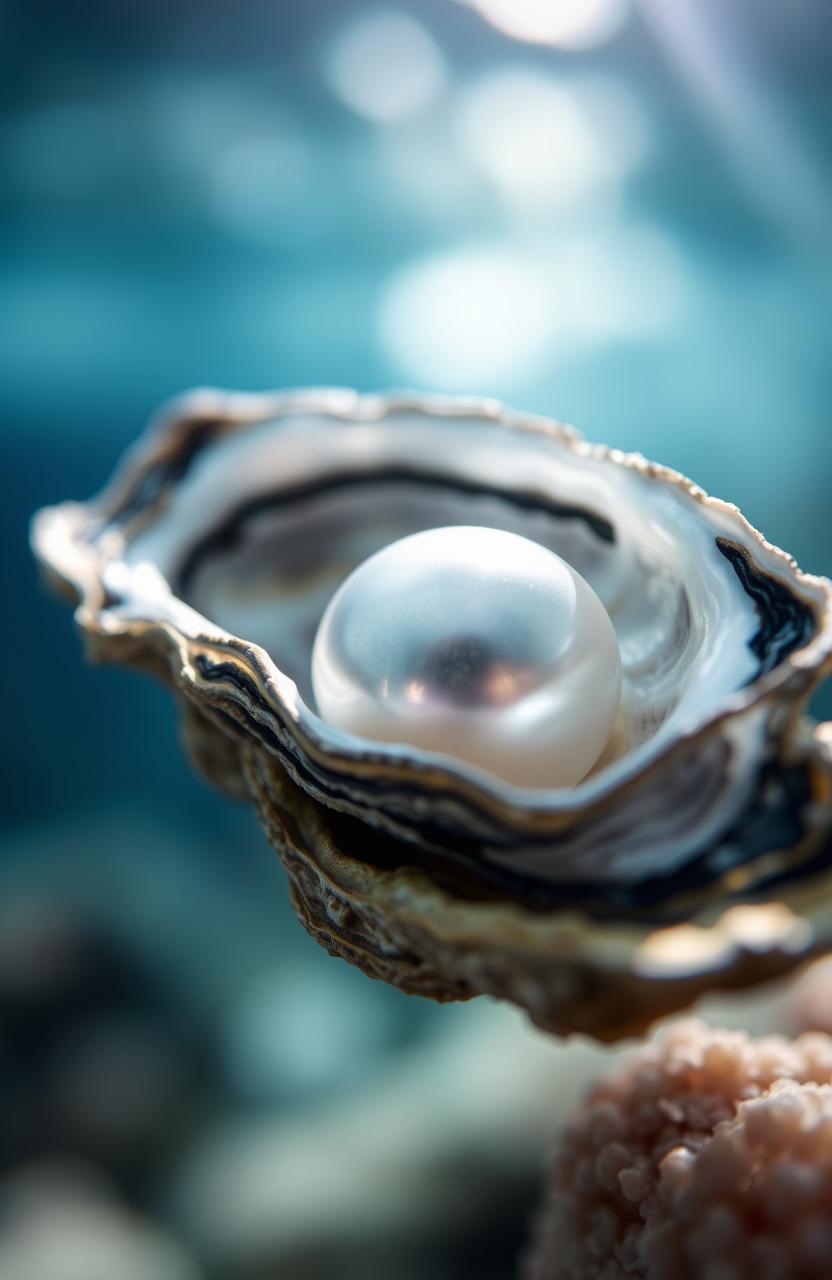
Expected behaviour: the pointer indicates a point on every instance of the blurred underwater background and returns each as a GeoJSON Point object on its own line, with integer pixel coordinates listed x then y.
{"type": "Point", "coordinates": [615, 212]}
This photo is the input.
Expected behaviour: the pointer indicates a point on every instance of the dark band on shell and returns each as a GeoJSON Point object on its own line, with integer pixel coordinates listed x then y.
{"type": "Point", "coordinates": [786, 621]}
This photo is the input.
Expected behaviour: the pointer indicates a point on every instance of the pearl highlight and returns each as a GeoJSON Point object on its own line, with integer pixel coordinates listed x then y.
{"type": "Point", "coordinates": [476, 644]}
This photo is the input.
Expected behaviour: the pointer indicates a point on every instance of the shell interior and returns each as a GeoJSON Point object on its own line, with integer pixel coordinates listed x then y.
{"type": "Point", "coordinates": [234, 529]}
{"type": "Point", "coordinates": [262, 530]}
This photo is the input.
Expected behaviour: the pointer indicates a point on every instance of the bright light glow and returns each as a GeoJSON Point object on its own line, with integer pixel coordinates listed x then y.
{"type": "Point", "coordinates": [551, 143]}
{"type": "Point", "coordinates": [571, 24]}
{"type": "Point", "coordinates": [386, 66]}
{"type": "Point", "coordinates": [482, 316]}
{"type": "Point", "coordinates": [753, 927]}
{"type": "Point", "coordinates": [459, 319]}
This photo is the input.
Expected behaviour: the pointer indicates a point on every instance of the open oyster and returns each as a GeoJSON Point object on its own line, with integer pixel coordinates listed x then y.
{"type": "Point", "coordinates": [695, 854]}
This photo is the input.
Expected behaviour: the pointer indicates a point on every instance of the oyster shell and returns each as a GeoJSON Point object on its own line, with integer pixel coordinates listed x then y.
{"type": "Point", "coordinates": [693, 856]}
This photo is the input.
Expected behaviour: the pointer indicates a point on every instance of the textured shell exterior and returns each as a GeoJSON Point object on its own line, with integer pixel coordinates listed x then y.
{"type": "Point", "coordinates": [694, 856]}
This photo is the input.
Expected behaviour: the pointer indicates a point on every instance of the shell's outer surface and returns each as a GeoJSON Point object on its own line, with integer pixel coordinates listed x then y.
{"type": "Point", "coordinates": [694, 856]}
{"type": "Point", "coordinates": [424, 933]}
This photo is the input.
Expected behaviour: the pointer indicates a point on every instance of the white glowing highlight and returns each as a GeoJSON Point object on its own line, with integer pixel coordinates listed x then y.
{"type": "Point", "coordinates": [570, 24]}
{"type": "Point", "coordinates": [541, 141]}
{"type": "Point", "coordinates": [386, 66]}
{"type": "Point", "coordinates": [457, 318]}
{"type": "Point", "coordinates": [483, 315]}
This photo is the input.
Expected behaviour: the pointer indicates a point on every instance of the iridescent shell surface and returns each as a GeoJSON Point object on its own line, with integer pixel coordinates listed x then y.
{"type": "Point", "coordinates": [695, 855]}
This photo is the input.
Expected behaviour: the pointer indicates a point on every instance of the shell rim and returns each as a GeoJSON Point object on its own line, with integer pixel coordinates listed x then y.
{"type": "Point", "coordinates": [60, 543]}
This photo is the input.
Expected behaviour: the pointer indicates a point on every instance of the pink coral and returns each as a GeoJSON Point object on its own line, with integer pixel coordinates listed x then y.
{"type": "Point", "coordinates": [704, 1156]}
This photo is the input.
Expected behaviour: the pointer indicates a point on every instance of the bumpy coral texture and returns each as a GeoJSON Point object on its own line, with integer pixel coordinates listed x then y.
{"type": "Point", "coordinates": [705, 1156]}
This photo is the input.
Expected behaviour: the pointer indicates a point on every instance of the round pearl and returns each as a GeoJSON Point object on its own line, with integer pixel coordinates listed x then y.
{"type": "Point", "coordinates": [477, 644]}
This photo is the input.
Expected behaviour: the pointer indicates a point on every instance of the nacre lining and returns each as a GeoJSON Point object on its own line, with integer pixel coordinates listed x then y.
{"type": "Point", "coordinates": [698, 850]}
{"type": "Point", "coordinates": [473, 643]}
{"type": "Point", "coordinates": [231, 547]}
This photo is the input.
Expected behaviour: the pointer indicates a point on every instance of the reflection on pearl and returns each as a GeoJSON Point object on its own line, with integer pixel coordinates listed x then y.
{"type": "Point", "coordinates": [477, 644]}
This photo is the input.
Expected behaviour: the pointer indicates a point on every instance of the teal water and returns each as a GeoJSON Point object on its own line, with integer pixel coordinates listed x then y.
{"type": "Point", "coordinates": [634, 237]}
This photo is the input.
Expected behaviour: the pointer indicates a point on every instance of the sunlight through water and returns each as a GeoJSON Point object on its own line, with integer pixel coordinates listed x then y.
{"type": "Point", "coordinates": [570, 24]}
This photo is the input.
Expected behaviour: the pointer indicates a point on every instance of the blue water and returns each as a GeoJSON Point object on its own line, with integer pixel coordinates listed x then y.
{"type": "Point", "coordinates": [638, 244]}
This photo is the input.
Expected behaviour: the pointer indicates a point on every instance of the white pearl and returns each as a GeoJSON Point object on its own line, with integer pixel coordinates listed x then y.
{"type": "Point", "coordinates": [477, 644]}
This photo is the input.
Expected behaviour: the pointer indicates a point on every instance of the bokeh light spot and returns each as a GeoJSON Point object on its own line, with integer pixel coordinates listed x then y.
{"type": "Point", "coordinates": [542, 141]}
{"type": "Point", "coordinates": [483, 316]}
{"type": "Point", "coordinates": [385, 66]}
{"type": "Point", "coordinates": [570, 24]}
{"type": "Point", "coordinates": [463, 317]}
